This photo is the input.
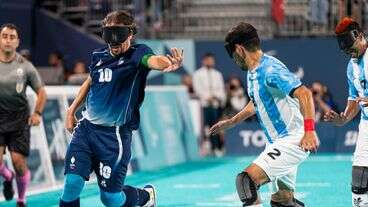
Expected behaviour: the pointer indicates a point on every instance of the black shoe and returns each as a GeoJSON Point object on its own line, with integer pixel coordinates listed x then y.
{"type": "Point", "coordinates": [21, 204]}
{"type": "Point", "coordinates": [294, 203]}
{"type": "Point", "coordinates": [8, 190]}
{"type": "Point", "coordinates": [298, 203]}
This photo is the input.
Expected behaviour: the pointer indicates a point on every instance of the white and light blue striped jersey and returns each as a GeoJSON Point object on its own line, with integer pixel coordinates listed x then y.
{"type": "Point", "coordinates": [357, 73]}
{"type": "Point", "coordinates": [269, 87]}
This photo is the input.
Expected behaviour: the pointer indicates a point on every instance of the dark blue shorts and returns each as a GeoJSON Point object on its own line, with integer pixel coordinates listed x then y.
{"type": "Point", "coordinates": [104, 150]}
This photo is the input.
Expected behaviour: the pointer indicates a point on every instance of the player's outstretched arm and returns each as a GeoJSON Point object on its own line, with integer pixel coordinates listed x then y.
{"type": "Point", "coordinates": [168, 63]}
{"type": "Point", "coordinates": [244, 114]}
{"type": "Point", "coordinates": [71, 120]}
{"type": "Point", "coordinates": [351, 110]}
{"type": "Point", "coordinates": [310, 140]}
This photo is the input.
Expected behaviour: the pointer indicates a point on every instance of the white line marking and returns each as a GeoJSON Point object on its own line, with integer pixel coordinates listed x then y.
{"type": "Point", "coordinates": [197, 186]}
{"type": "Point", "coordinates": [312, 184]}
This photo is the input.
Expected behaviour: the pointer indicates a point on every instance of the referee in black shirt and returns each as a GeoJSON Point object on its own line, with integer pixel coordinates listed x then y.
{"type": "Point", "coordinates": [16, 73]}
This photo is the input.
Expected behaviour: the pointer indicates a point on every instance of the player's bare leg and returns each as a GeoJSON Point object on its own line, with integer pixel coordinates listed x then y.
{"type": "Point", "coordinates": [20, 163]}
{"type": "Point", "coordinates": [2, 152]}
{"type": "Point", "coordinates": [257, 174]}
{"type": "Point", "coordinates": [23, 176]}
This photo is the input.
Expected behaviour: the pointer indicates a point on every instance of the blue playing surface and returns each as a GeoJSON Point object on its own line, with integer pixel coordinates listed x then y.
{"type": "Point", "coordinates": [323, 180]}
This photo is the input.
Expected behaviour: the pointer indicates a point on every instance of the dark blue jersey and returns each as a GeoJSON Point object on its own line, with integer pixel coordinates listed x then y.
{"type": "Point", "coordinates": [117, 88]}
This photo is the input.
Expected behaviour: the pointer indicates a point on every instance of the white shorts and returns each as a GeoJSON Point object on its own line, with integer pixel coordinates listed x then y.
{"type": "Point", "coordinates": [361, 149]}
{"type": "Point", "coordinates": [280, 162]}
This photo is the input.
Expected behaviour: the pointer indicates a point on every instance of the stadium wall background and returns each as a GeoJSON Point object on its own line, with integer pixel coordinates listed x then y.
{"type": "Point", "coordinates": [314, 59]}
{"type": "Point", "coordinates": [249, 139]}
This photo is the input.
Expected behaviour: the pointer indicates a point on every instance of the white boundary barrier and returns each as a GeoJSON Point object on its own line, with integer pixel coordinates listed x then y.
{"type": "Point", "coordinates": [49, 140]}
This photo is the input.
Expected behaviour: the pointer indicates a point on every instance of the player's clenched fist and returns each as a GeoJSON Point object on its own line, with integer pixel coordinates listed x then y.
{"type": "Point", "coordinates": [310, 141]}
{"type": "Point", "coordinates": [70, 121]}
{"type": "Point", "coordinates": [34, 120]}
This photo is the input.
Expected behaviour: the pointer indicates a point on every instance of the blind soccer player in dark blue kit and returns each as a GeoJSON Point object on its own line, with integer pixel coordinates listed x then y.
{"type": "Point", "coordinates": [114, 92]}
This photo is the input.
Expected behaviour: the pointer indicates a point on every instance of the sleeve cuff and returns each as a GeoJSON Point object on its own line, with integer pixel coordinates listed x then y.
{"type": "Point", "coordinates": [144, 60]}
{"type": "Point", "coordinates": [291, 93]}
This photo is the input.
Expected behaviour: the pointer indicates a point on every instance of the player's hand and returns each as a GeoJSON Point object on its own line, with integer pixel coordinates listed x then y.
{"type": "Point", "coordinates": [221, 125]}
{"type": "Point", "coordinates": [337, 119]}
{"type": "Point", "coordinates": [310, 141]}
{"type": "Point", "coordinates": [362, 100]}
{"type": "Point", "coordinates": [70, 121]}
{"type": "Point", "coordinates": [34, 119]}
{"type": "Point", "coordinates": [212, 100]}
{"type": "Point", "coordinates": [176, 58]}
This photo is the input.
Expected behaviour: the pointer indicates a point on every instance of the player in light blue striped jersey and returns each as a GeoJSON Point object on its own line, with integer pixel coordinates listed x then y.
{"type": "Point", "coordinates": [351, 40]}
{"type": "Point", "coordinates": [285, 110]}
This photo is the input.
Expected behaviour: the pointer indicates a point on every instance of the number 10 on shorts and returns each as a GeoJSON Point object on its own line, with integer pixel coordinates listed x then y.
{"type": "Point", "coordinates": [105, 171]}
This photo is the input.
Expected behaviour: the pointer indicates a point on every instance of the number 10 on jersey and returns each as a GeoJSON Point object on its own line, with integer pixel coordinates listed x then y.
{"type": "Point", "coordinates": [105, 75]}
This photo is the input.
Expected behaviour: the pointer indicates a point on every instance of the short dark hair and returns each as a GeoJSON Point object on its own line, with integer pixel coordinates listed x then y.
{"type": "Point", "coordinates": [208, 54]}
{"type": "Point", "coordinates": [57, 54]}
{"type": "Point", "coordinates": [118, 17]}
{"type": "Point", "coordinates": [245, 34]}
{"type": "Point", "coordinates": [12, 27]}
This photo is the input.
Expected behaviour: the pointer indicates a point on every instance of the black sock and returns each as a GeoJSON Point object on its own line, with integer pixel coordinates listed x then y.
{"type": "Point", "coordinates": [74, 203]}
{"type": "Point", "coordinates": [135, 196]}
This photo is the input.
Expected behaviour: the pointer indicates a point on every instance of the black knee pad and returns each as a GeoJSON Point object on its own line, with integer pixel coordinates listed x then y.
{"type": "Point", "coordinates": [359, 184]}
{"type": "Point", "coordinates": [247, 189]}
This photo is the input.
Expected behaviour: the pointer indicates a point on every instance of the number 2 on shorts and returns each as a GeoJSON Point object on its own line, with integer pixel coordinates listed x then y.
{"type": "Point", "coordinates": [275, 154]}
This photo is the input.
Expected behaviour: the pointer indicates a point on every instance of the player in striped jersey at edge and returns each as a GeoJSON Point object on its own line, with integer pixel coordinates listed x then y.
{"type": "Point", "coordinates": [285, 110]}
{"type": "Point", "coordinates": [352, 41]}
